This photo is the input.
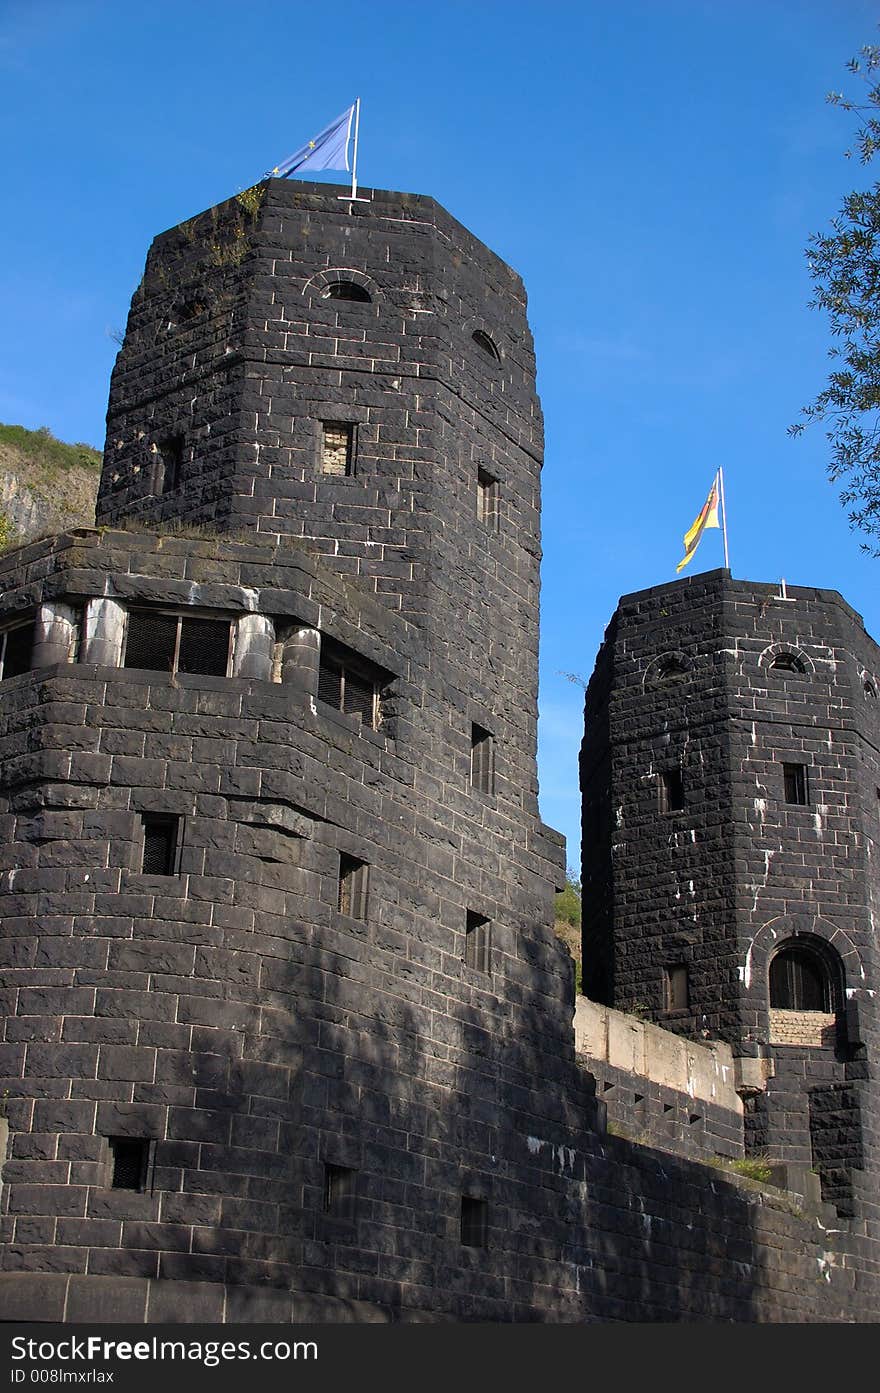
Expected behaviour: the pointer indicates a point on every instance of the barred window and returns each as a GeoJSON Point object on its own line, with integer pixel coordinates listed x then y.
{"type": "Point", "coordinates": [130, 1157]}
{"type": "Point", "coordinates": [487, 500]}
{"type": "Point", "coordinates": [160, 843]}
{"type": "Point", "coordinates": [16, 649]}
{"type": "Point", "coordinates": [482, 760]}
{"type": "Point", "coordinates": [675, 987]}
{"type": "Point", "coordinates": [478, 942]}
{"type": "Point", "coordinates": [350, 683]}
{"type": "Point", "coordinates": [794, 778]}
{"type": "Point", "coordinates": [670, 791]}
{"type": "Point", "coordinates": [340, 1191]}
{"type": "Point", "coordinates": [354, 878]}
{"type": "Point", "coordinates": [166, 642]}
{"type": "Point", "coordinates": [337, 448]}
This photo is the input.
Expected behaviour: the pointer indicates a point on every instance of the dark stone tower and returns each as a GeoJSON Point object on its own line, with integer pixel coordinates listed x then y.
{"type": "Point", "coordinates": [730, 781]}
{"type": "Point", "coordinates": [276, 891]}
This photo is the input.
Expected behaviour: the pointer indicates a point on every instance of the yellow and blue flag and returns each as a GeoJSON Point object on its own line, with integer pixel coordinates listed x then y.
{"type": "Point", "coordinates": [328, 150]}
{"type": "Point", "coordinates": [707, 517]}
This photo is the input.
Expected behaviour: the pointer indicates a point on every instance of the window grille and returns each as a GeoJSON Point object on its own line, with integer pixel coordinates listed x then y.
{"type": "Point", "coordinates": [130, 1161]}
{"type": "Point", "coordinates": [671, 791]}
{"type": "Point", "coordinates": [482, 760]}
{"type": "Point", "coordinates": [474, 1222]}
{"type": "Point", "coordinates": [477, 943]}
{"type": "Point", "coordinates": [799, 981]}
{"type": "Point", "coordinates": [348, 290]}
{"type": "Point", "coordinates": [340, 1192]}
{"type": "Point", "coordinates": [794, 778]}
{"type": "Point", "coordinates": [353, 885]}
{"type": "Point", "coordinates": [166, 642]}
{"type": "Point", "coordinates": [160, 843]}
{"type": "Point", "coordinates": [348, 683]}
{"type": "Point", "coordinates": [487, 500]}
{"type": "Point", "coordinates": [483, 341]}
{"type": "Point", "coordinates": [16, 649]}
{"type": "Point", "coordinates": [675, 987]}
{"type": "Point", "coordinates": [337, 448]}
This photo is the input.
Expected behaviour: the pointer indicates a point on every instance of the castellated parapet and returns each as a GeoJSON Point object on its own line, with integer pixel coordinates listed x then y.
{"type": "Point", "coordinates": [288, 1034]}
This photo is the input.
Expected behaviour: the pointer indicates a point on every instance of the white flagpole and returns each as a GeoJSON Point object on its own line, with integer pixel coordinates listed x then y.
{"type": "Point", "coordinates": [354, 161]}
{"type": "Point", "coordinates": [723, 516]}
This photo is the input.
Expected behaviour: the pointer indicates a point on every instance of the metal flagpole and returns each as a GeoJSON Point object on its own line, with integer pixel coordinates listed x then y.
{"type": "Point", "coordinates": [354, 160]}
{"type": "Point", "coordinates": [723, 515]}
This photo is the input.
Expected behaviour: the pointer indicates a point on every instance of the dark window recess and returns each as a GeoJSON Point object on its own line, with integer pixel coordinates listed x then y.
{"type": "Point", "coordinates": [675, 988]}
{"type": "Point", "coordinates": [487, 500]}
{"type": "Point", "coordinates": [131, 1157]}
{"type": "Point", "coordinates": [478, 942]}
{"type": "Point", "coordinates": [160, 843]}
{"type": "Point", "coordinates": [474, 1222]}
{"type": "Point", "coordinates": [799, 981]}
{"type": "Point", "coordinates": [348, 290]}
{"type": "Point", "coordinates": [337, 448]}
{"type": "Point", "coordinates": [177, 643]}
{"type": "Point", "coordinates": [671, 791]}
{"type": "Point", "coordinates": [483, 341]}
{"type": "Point", "coordinates": [870, 690]}
{"type": "Point", "coordinates": [348, 683]}
{"type": "Point", "coordinates": [354, 878]}
{"type": "Point", "coordinates": [794, 777]}
{"type": "Point", "coordinates": [340, 1192]}
{"type": "Point", "coordinates": [787, 662]}
{"type": "Point", "coordinates": [482, 760]}
{"type": "Point", "coordinates": [671, 670]}
{"type": "Point", "coordinates": [16, 650]}
{"type": "Point", "coordinates": [171, 455]}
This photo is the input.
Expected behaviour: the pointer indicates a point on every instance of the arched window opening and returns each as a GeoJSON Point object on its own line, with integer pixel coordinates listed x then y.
{"type": "Point", "coordinates": [671, 670]}
{"type": "Point", "coordinates": [483, 341]}
{"type": "Point", "coordinates": [349, 290]}
{"type": "Point", "coordinates": [788, 662]}
{"type": "Point", "coordinates": [800, 981]}
{"type": "Point", "coordinates": [870, 690]}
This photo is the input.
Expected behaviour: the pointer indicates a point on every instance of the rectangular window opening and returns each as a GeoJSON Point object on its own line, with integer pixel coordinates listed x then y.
{"type": "Point", "coordinates": [17, 649]}
{"type": "Point", "coordinates": [675, 987]}
{"type": "Point", "coordinates": [350, 683]}
{"type": "Point", "coordinates": [474, 1222]}
{"type": "Point", "coordinates": [671, 791]}
{"type": "Point", "coordinates": [478, 942]}
{"type": "Point", "coordinates": [130, 1156]}
{"type": "Point", "coordinates": [340, 1192]}
{"type": "Point", "coordinates": [171, 454]}
{"type": "Point", "coordinates": [160, 843]}
{"type": "Point", "coordinates": [337, 448]}
{"type": "Point", "coordinates": [192, 643]}
{"type": "Point", "coordinates": [794, 777]}
{"type": "Point", "coordinates": [487, 500]}
{"type": "Point", "coordinates": [482, 760]}
{"type": "Point", "coordinates": [353, 886]}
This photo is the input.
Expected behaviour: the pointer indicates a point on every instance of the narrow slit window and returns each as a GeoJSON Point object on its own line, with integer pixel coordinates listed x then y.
{"type": "Point", "coordinates": [353, 886]}
{"type": "Point", "coordinates": [130, 1157]}
{"type": "Point", "coordinates": [796, 790]}
{"type": "Point", "coordinates": [340, 1192]}
{"type": "Point", "coordinates": [487, 500]}
{"type": "Point", "coordinates": [478, 942]}
{"type": "Point", "coordinates": [482, 760]}
{"type": "Point", "coordinates": [474, 1222]}
{"type": "Point", "coordinates": [171, 457]}
{"type": "Point", "coordinates": [337, 448]}
{"type": "Point", "coordinates": [671, 791]}
{"type": "Point", "coordinates": [160, 843]}
{"type": "Point", "coordinates": [16, 650]}
{"type": "Point", "coordinates": [675, 987]}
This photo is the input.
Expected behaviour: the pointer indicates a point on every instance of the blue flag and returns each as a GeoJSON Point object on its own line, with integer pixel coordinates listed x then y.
{"type": "Point", "coordinates": [328, 150]}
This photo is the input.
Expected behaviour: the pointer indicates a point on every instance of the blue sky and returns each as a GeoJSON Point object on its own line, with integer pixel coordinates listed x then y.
{"type": "Point", "coordinates": [653, 171]}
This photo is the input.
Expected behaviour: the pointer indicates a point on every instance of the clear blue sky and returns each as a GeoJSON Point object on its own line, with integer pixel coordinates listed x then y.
{"type": "Point", "coordinates": [652, 169]}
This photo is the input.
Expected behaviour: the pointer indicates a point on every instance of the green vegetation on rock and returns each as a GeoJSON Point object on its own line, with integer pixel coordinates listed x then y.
{"type": "Point", "coordinates": [49, 453]}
